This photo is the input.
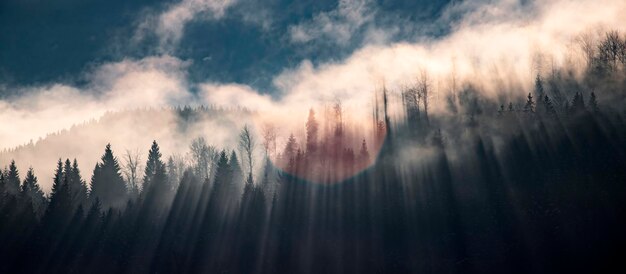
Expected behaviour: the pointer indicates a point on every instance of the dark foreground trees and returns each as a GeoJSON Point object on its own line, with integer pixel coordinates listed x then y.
{"type": "Point", "coordinates": [521, 208]}
{"type": "Point", "coordinates": [107, 183]}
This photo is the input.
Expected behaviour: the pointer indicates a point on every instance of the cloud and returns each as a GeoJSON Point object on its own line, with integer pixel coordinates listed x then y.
{"type": "Point", "coordinates": [150, 82]}
{"type": "Point", "coordinates": [169, 25]}
{"type": "Point", "coordinates": [494, 46]}
{"type": "Point", "coordinates": [235, 95]}
{"type": "Point", "coordinates": [494, 43]}
{"type": "Point", "coordinates": [338, 25]}
{"type": "Point", "coordinates": [495, 49]}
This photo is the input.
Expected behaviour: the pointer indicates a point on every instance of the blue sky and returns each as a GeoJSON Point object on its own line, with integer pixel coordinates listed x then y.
{"type": "Point", "coordinates": [248, 42]}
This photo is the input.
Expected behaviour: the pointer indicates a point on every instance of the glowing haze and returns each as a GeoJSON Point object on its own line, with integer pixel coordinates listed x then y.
{"type": "Point", "coordinates": [502, 43]}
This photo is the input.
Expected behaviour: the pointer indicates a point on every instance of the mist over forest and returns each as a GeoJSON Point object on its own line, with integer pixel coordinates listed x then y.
{"type": "Point", "coordinates": [497, 146]}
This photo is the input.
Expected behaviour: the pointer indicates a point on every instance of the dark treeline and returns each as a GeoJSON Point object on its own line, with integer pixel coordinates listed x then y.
{"type": "Point", "coordinates": [545, 196]}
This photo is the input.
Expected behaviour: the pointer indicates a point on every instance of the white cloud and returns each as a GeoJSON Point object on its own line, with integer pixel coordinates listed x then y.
{"type": "Point", "coordinates": [149, 82]}
{"type": "Point", "coordinates": [235, 95]}
{"type": "Point", "coordinates": [170, 24]}
{"type": "Point", "coordinates": [494, 43]}
{"type": "Point", "coordinates": [338, 25]}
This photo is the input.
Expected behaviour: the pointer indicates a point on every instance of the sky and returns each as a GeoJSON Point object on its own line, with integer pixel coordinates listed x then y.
{"type": "Point", "coordinates": [68, 61]}
{"type": "Point", "coordinates": [242, 41]}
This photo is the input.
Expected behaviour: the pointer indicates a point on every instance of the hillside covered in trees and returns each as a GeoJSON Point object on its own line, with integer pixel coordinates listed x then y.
{"type": "Point", "coordinates": [491, 184]}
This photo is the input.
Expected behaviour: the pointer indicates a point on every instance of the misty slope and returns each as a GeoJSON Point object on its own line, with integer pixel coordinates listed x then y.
{"type": "Point", "coordinates": [133, 130]}
{"type": "Point", "coordinates": [517, 207]}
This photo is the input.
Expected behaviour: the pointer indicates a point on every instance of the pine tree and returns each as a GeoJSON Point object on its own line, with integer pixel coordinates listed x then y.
{"type": "Point", "coordinates": [578, 104]}
{"type": "Point", "coordinates": [158, 192]}
{"type": "Point", "coordinates": [107, 183]}
{"type": "Point", "coordinates": [222, 194]}
{"type": "Point", "coordinates": [593, 103]}
{"type": "Point", "coordinates": [94, 217]}
{"type": "Point", "coordinates": [236, 172]}
{"type": "Point", "coordinates": [223, 172]}
{"type": "Point", "coordinates": [557, 96]}
{"type": "Point", "coordinates": [539, 91]}
{"type": "Point", "coordinates": [542, 108]}
{"type": "Point", "coordinates": [311, 133]}
{"type": "Point", "coordinates": [154, 160]}
{"type": "Point", "coordinates": [364, 154]}
{"type": "Point", "coordinates": [548, 107]}
{"type": "Point", "coordinates": [2, 188]}
{"type": "Point", "coordinates": [253, 208]}
{"type": "Point", "coordinates": [173, 174]}
{"type": "Point", "coordinates": [31, 193]}
{"type": "Point", "coordinates": [156, 189]}
{"type": "Point", "coordinates": [290, 149]}
{"type": "Point", "coordinates": [78, 185]}
{"type": "Point", "coordinates": [12, 180]}
{"type": "Point", "coordinates": [67, 171]}
{"type": "Point", "coordinates": [530, 104]}
{"type": "Point", "coordinates": [57, 182]}
{"type": "Point", "coordinates": [59, 209]}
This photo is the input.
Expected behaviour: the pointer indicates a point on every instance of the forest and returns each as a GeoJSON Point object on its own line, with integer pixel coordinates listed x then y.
{"type": "Point", "coordinates": [507, 184]}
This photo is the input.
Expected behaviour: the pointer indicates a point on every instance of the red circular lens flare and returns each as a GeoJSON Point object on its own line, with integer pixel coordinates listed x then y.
{"type": "Point", "coordinates": [334, 158]}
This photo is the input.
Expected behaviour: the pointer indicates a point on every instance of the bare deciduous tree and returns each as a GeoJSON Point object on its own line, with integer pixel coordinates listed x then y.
{"type": "Point", "coordinates": [175, 169]}
{"type": "Point", "coordinates": [411, 101]}
{"type": "Point", "coordinates": [269, 139]}
{"type": "Point", "coordinates": [129, 168]}
{"type": "Point", "coordinates": [201, 157]}
{"type": "Point", "coordinates": [610, 49]}
{"type": "Point", "coordinates": [424, 86]}
{"type": "Point", "coordinates": [247, 143]}
{"type": "Point", "coordinates": [587, 45]}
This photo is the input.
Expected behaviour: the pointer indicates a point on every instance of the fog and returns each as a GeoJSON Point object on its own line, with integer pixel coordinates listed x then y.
{"type": "Point", "coordinates": [498, 47]}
